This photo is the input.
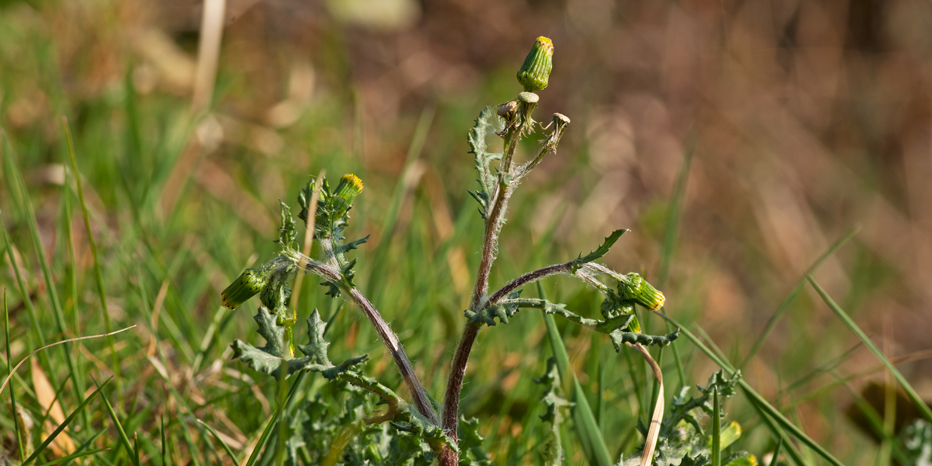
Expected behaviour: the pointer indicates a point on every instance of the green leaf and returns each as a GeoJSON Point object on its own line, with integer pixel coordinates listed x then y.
{"type": "Point", "coordinates": [304, 199]}
{"type": "Point", "coordinates": [552, 450]}
{"type": "Point", "coordinates": [286, 232]}
{"type": "Point", "coordinates": [343, 248]}
{"type": "Point", "coordinates": [716, 430]}
{"type": "Point", "coordinates": [621, 337]}
{"type": "Point", "coordinates": [599, 252]}
{"type": "Point", "coordinates": [482, 198]}
{"type": "Point", "coordinates": [488, 124]}
{"type": "Point", "coordinates": [587, 429]}
{"type": "Point", "coordinates": [682, 440]}
{"type": "Point", "coordinates": [317, 346]}
{"type": "Point", "coordinates": [503, 311]}
{"type": "Point", "coordinates": [470, 444]}
{"type": "Point", "coordinates": [268, 358]}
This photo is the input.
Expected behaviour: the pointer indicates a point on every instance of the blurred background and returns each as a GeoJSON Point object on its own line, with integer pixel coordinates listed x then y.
{"type": "Point", "coordinates": [786, 123]}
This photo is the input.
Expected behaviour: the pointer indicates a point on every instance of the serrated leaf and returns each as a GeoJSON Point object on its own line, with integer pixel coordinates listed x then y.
{"type": "Point", "coordinates": [482, 197]}
{"type": "Point", "coordinates": [268, 358]}
{"type": "Point", "coordinates": [621, 337]}
{"type": "Point", "coordinates": [682, 440]}
{"type": "Point", "coordinates": [287, 232]}
{"type": "Point", "coordinates": [470, 444]}
{"type": "Point", "coordinates": [552, 450]}
{"type": "Point", "coordinates": [600, 251]}
{"type": "Point", "coordinates": [317, 346]}
{"type": "Point", "coordinates": [344, 367]}
{"type": "Point", "coordinates": [698, 460]}
{"type": "Point", "coordinates": [343, 248]}
{"type": "Point", "coordinates": [304, 199]}
{"type": "Point", "coordinates": [502, 311]}
{"type": "Point", "coordinates": [488, 124]}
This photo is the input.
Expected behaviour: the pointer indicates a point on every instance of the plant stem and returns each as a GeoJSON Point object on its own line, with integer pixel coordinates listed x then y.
{"type": "Point", "coordinates": [529, 278]}
{"type": "Point", "coordinates": [421, 401]}
{"type": "Point", "coordinates": [493, 226]}
{"type": "Point", "coordinates": [419, 395]}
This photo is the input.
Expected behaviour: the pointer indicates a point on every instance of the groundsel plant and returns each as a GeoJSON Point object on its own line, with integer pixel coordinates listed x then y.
{"type": "Point", "coordinates": [374, 425]}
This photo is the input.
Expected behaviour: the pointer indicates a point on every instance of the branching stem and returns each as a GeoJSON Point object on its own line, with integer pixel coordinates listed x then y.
{"type": "Point", "coordinates": [529, 278]}
{"type": "Point", "coordinates": [493, 226]}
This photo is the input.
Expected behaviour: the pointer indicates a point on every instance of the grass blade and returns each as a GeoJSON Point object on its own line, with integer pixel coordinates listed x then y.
{"type": "Point", "coordinates": [68, 420]}
{"type": "Point", "coordinates": [74, 456]}
{"type": "Point", "coordinates": [776, 452]}
{"type": "Point", "coordinates": [87, 443]}
{"type": "Point", "coordinates": [162, 436]}
{"type": "Point", "coordinates": [116, 421]}
{"type": "Point", "coordinates": [251, 461]}
{"type": "Point", "coordinates": [9, 365]}
{"type": "Point", "coordinates": [587, 429]}
{"type": "Point", "coordinates": [716, 429]}
{"type": "Point", "coordinates": [219, 439]}
{"type": "Point", "coordinates": [910, 392]}
{"type": "Point", "coordinates": [785, 305]}
{"type": "Point", "coordinates": [93, 245]}
{"type": "Point", "coordinates": [50, 288]}
{"type": "Point", "coordinates": [756, 399]}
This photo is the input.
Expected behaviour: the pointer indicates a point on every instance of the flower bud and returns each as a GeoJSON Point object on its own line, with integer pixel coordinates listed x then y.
{"type": "Point", "coordinates": [637, 289]}
{"type": "Point", "coordinates": [535, 71]}
{"type": "Point", "coordinates": [244, 287]}
{"type": "Point", "coordinates": [350, 186]}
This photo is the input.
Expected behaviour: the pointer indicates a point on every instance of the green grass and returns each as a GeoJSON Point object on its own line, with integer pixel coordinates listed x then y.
{"type": "Point", "coordinates": [103, 251]}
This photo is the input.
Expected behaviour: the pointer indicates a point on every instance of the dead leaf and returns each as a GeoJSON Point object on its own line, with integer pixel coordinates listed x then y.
{"type": "Point", "coordinates": [63, 445]}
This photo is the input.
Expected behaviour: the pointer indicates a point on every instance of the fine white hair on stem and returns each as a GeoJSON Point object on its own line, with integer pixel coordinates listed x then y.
{"type": "Point", "coordinates": [595, 267]}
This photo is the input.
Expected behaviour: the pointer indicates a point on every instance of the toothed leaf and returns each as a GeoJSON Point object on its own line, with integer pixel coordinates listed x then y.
{"type": "Point", "coordinates": [268, 358]}
{"type": "Point", "coordinates": [599, 252]}
{"type": "Point", "coordinates": [317, 346]}
{"type": "Point", "coordinates": [287, 232]}
{"type": "Point", "coordinates": [554, 402]}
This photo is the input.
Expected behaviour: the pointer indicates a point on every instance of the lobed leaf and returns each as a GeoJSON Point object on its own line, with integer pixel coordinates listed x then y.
{"type": "Point", "coordinates": [552, 450]}
{"type": "Point", "coordinates": [600, 251]}
{"type": "Point", "coordinates": [317, 345]}
{"type": "Point", "coordinates": [470, 444]}
{"type": "Point", "coordinates": [488, 124]}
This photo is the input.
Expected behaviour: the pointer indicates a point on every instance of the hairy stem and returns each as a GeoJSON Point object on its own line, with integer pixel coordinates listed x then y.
{"type": "Point", "coordinates": [418, 394]}
{"type": "Point", "coordinates": [529, 278]}
{"type": "Point", "coordinates": [493, 227]}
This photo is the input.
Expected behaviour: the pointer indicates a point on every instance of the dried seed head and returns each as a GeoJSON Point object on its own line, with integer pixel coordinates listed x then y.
{"type": "Point", "coordinates": [535, 72]}
{"type": "Point", "coordinates": [507, 110]}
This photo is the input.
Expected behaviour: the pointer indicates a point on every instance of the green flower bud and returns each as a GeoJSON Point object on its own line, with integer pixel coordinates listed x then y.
{"type": "Point", "coordinates": [638, 290]}
{"type": "Point", "coordinates": [535, 71]}
{"type": "Point", "coordinates": [244, 287]}
{"type": "Point", "coordinates": [350, 186]}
